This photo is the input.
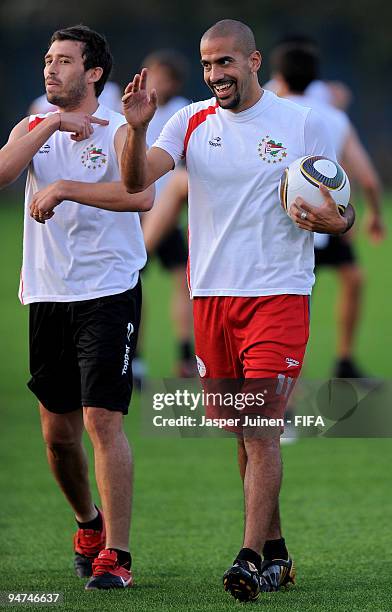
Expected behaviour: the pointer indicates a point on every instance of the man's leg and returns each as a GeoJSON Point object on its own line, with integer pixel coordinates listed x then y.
{"type": "Point", "coordinates": [263, 477]}
{"type": "Point", "coordinates": [272, 352]}
{"type": "Point", "coordinates": [113, 472]}
{"type": "Point", "coordinates": [181, 313]}
{"type": "Point", "coordinates": [348, 309]}
{"type": "Point", "coordinates": [106, 336]}
{"type": "Point", "coordinates": [67, 459]}
{"type": "Point", "coordinates": [340, 254]}
{"type": "Point", "coordinates": [274, 531]}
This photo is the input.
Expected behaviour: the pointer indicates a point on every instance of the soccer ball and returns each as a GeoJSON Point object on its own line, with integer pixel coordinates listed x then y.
{"type": "Point", "coordinates": [304, 176]}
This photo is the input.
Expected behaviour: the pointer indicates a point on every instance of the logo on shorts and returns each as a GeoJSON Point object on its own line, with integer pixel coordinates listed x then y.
{"type": "Point", "coordinates": [201, 367]}
{"type": "Point", "coordinates": [126, 359]}
{"type": "Point", "coordinates": [271, 151]}
{"type": "Point", "coordinates": [292, 363]}
{"type": "Point", "coordinates": [93, 158]}
{"type": "Point", "coordinates": [130, 330]}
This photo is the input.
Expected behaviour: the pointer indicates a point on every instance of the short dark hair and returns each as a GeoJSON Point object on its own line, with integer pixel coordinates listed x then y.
{"type": "Point", "coordinates": [96, 52]}
{"type": "Point", "coordinates": [298, 66]}
{"type": "Point", "coordinates": [240, 31]}
{"type": "Point", "coordinates": [176, 63]}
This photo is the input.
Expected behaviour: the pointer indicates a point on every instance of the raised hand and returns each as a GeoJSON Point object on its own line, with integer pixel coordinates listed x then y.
{"type": "Point", "coordinates": [80, 124]}
{"type": "Point", "coordinates": [139, 106]}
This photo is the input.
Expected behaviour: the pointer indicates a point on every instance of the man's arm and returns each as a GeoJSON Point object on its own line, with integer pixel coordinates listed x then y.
{"type": "Point", "coordinates": [107, 196]}
{"type": "Point", "coordinates": [22, 145]}
{"type": "Point", "coordinates": [358, 165]}
{"type": "Point", "coordinates": [164, 216]}
{"type": "Point", "coordinates": [140, 169]}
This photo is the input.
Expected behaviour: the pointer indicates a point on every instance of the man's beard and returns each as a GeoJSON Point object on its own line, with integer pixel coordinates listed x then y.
{"type": "Point", "coordinates": [229, 104]}
{"type": "Point", "coordinates": [236, 101]}
{"type": "Point", "coordinates": [72, 98]}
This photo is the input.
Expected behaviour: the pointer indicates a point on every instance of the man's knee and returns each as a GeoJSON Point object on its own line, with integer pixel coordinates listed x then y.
{"type": "Point", "coordinates": [101, 424]}
{"type": "Point", "coordinates": [353, 277]}
{"type": "Point", "coordinates": [59, 443]}
{"type": "Point", "coordinates": [262, 444]}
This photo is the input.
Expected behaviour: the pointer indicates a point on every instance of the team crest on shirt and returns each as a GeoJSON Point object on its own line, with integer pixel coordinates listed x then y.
{"type": "Point", "coordinates": [93, 157]}
{"type": "Point", "coordinates": [271, 151]}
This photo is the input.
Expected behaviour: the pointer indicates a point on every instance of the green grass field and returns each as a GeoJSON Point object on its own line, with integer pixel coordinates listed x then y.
{"type": "Point", "coordinates": [187, 523]}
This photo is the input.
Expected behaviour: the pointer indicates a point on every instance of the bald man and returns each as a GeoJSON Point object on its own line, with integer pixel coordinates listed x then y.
{"type": "Point", "coordinates": [250, 268]}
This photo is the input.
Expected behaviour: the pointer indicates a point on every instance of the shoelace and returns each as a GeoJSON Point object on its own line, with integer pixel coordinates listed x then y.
{"type": "Point", "coordinates": [105, 562]}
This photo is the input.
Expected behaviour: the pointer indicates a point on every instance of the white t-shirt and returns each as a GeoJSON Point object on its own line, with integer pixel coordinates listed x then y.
{"type": "Point", "coordinates": [242, 243]}
{"type": "Point", "coordinates": [157, 123]}
{"type": "Point", "coordinates": [82, 252]}
{"type": "Point", "coordinates": [336, 121]}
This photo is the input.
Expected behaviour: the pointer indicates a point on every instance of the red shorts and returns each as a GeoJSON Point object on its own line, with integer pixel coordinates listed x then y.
{"type": "Point", "coordinates": [258, 341]}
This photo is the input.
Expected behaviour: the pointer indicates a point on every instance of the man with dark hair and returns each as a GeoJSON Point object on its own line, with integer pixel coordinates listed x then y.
{"type": "Point", "coordinates": [95, 52]}
{"type": "Point", "coordinates": [80, 276]}
{"type": "Point", "coordinates": [250, 268]}
{"type": "Point", "coordinates": [295, 66]}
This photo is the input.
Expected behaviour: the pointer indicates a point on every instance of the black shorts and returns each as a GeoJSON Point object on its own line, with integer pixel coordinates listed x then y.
{"type": "Point", "coordinates": [338, 252]}
{"type": "Point", "coordinates": [172, 251]}
{"type": "Point", "coordinates": [81, 352]}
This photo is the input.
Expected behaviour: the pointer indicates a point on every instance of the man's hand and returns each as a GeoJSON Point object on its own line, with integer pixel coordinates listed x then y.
{"type": "Point", "coordinates": [324, 219]}
{"type": "Point", "coordinates": [139, 106]}
{"type": "Point", "coordinates": [80, 124]}
{"type": "Point", "coordinates": [375, 227]}
{"type": "Point", "coordinates": [44, 201]}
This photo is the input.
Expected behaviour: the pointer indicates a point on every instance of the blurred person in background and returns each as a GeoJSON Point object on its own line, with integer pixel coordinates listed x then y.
{"type": "Point", "coordinates": [295, 67]}
{"type": "Point", "coordinates": [334, 93]}
{"type": "Point", "coordinates": [167, 72]}
{"type": "Point", "coordinates": [80, 277]}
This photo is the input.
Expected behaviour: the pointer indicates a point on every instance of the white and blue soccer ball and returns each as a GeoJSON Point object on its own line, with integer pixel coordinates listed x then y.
{"type": "Point", "coordinates": [304, 176]}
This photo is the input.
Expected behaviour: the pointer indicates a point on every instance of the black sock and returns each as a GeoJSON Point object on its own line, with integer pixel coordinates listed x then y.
{"type": "Point", "coordinates": [95, 524]}
{"type": "Point", "coordinates": [275, 549]}
{"type": "Point", "coordinates": [247, 554]}
{"type": "Point", "coordinates": [185, 349]}
{"type": "Point", "coordinates": [123, 557]}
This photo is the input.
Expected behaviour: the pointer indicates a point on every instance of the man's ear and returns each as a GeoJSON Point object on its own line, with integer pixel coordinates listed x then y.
{"type": "Point", "coordinates": [255, 61]}
{"type": "Point", "coordinates": [94, 74]}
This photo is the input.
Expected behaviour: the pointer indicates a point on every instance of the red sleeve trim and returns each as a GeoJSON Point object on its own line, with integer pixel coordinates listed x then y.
{"type": "Point", "coordinates": [35, 122]}
{"type": "Point", "coordinates": [196, 120]}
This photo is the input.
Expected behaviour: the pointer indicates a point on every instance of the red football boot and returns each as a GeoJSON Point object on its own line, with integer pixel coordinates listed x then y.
{"type": "Point", "coordinates": [88, 543]}
{"type": "Point", "coordinates": [108, 574]}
